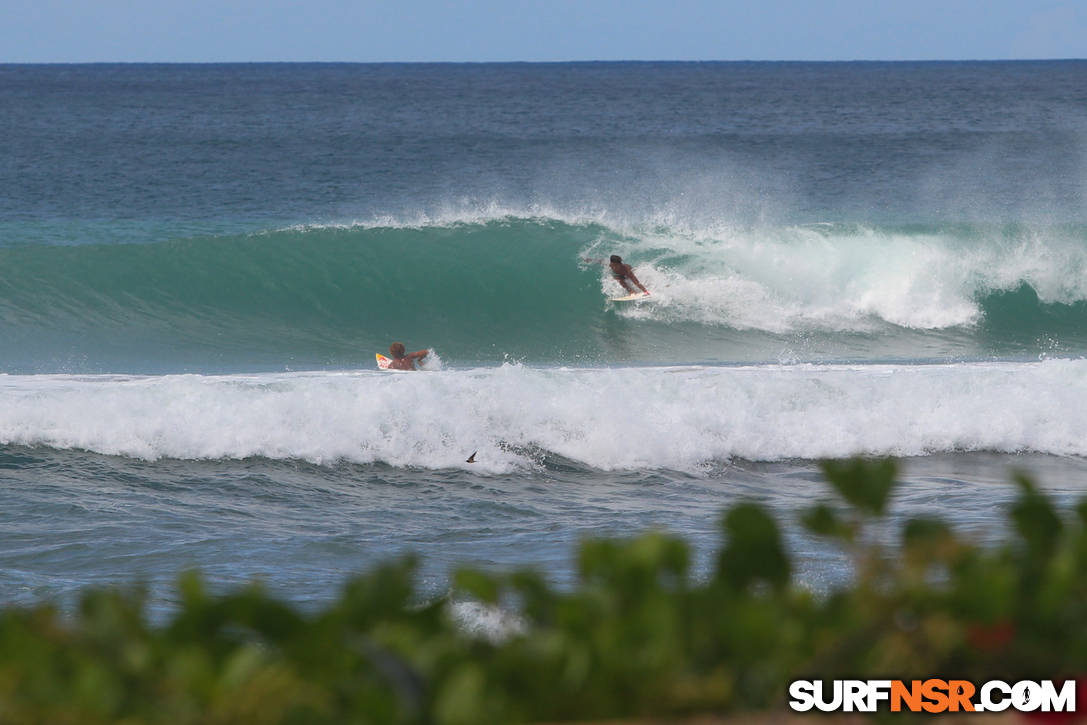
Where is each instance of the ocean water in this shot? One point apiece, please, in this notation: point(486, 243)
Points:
point(198, 263)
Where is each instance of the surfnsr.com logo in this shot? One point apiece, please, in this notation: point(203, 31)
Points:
point(932, 695)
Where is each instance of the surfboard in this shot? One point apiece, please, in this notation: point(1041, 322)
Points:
point(628, 298)
point(382, 361)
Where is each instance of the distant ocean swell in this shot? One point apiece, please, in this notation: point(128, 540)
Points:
point(516, 418)
point(514, 286)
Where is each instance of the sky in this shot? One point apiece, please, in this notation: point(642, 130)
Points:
point(65, 31)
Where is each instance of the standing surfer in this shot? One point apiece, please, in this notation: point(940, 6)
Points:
point(622, 272)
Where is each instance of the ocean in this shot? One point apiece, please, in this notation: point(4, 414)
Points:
point(198, 263)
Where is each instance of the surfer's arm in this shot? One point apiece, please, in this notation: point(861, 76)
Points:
point(631, 276)
point(418, 354)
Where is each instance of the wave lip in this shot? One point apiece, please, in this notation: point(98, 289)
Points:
point(516, 417)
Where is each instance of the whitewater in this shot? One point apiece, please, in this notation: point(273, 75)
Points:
point(879, 259)
point(687, 419)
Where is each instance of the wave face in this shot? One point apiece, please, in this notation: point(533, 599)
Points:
point(686, 418)
point(482, 290)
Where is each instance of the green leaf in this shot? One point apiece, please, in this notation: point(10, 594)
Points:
point(477, 585)
point(924, 530)
point(926, 536)
point(754, 551)
point(1035, 519)
point(863, 483)
point(822, 520)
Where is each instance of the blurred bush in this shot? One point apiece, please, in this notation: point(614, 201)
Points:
point(637, 636)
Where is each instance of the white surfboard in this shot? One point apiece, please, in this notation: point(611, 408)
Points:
point(628, 298)
point(382, 361)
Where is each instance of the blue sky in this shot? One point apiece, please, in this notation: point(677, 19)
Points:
point(509, 30)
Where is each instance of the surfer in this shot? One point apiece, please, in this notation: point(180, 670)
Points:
point(402, 360)
point(623, 272)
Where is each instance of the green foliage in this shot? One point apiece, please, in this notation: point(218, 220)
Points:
point(864, 484)
point(637, 636)
point(754, 552)
point(823, 520)
point(1035, 519)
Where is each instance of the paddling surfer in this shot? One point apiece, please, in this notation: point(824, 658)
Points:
point(402, 360)
point(622, 272)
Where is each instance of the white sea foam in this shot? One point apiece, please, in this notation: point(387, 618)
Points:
point(491, 623)
point(624, 418)
point(789, 279)
point(472, 213)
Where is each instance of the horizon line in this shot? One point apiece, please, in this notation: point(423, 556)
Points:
point(537, 62)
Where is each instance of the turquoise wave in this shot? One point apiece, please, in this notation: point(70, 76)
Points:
point(326, 295)
point(516, 288)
